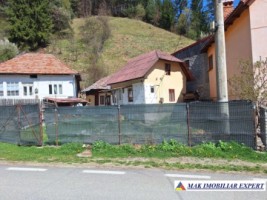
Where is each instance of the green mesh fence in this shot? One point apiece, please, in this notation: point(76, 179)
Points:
point(190, 124)
point(231, 121)
point(20, 124)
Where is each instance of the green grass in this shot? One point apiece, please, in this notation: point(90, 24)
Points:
point(65, 153)
point(128, 39)
point(146, 156)
point(171, 149)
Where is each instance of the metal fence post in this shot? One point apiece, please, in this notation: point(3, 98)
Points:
point(119, 123)
point(188, 124)
point(56, 126)
point(41, 114)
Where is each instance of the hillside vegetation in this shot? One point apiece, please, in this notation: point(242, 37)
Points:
point(125, 39)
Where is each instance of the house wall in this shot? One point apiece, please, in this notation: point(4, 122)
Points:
point(258, 23)
point(238, 48)
point(41, 83)
point(159, 80)
point(162, 83)
point(198, 65)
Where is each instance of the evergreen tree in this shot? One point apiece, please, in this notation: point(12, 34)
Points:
point(167, 15)
point(30, 22)
point(151, 11)
point(179, 6)
point(199, 20)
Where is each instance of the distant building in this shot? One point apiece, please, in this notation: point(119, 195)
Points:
point(35, 76)
point(150, 78)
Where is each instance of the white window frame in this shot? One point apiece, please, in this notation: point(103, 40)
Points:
point(12, 89)
point(29, 89)
point(1, 89)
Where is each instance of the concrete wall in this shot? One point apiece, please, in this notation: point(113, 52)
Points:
point(41, 83)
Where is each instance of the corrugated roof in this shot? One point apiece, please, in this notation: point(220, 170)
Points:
point(35, 63)
point(139, 66)
point(99, 85)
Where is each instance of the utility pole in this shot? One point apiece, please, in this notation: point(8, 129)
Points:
point(221, 71)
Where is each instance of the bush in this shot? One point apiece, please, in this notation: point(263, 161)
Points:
point(8, 50)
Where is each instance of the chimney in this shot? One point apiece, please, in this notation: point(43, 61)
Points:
point(228, 7)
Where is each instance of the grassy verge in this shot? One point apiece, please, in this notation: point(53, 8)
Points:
point(216, 157)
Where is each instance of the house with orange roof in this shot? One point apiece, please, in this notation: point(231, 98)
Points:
point(35, 76)
point(245, 38)
point(150, 78)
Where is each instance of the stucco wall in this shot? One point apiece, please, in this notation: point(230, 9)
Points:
point(238, 48)
point(42, 84)
point(162, 82)
point(258, 23)
point(159, 80)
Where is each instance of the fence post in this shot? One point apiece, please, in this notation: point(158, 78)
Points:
point(19, 122)
point(188, 124)
point(41, 114)
point(56, 125)
point(119, 123)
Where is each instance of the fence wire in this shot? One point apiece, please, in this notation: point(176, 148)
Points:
point(20, 124)
point(191, 123)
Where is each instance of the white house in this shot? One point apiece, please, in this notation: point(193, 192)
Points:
point(150, 78)
point(35, 76)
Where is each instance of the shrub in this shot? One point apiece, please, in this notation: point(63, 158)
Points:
point(8, 50)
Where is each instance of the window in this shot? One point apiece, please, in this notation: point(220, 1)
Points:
point(187, 63)
point(120, 94)
point(55, 89)
point(33, 76)
point(102, 100)
point(171, 95)
point(1, 89)
point(168, 69)
point(210, 62)
point(50, 89)
point(27, 89)
point(60, 90)
point(152, 89)
point(12, 89)
point(130, 94)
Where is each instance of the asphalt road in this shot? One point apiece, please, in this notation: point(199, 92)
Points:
point(56, 183)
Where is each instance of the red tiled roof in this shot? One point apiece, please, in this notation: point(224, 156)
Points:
point(139, 66)
point(35, 63)
point(99, 85)
point(243, 5)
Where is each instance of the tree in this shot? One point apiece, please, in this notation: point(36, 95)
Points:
point(251, 82)
point(183, 22)
point(30, 23)
point(179, 6)
point(167, 15)
point(8, 50)
point(151, 11)
point(199, 20)
point(140, 11)
point(61, 16)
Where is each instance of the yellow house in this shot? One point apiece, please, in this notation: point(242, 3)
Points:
point(150, 78)
point(245, 38)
